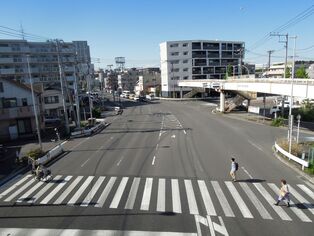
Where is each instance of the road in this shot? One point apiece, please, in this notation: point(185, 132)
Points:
point(162, 168)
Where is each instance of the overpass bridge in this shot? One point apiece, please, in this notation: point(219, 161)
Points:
point(302, 88)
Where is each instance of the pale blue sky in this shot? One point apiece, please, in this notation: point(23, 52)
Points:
point(134, 29)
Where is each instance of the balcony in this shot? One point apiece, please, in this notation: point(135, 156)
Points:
point(211, 46)
point(16, 112)
point(9, 71)
point(5, 49)
point(199, 54)
point(6, 60)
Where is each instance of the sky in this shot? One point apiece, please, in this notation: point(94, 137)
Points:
point(134, 28)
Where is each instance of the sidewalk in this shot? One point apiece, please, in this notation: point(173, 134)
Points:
point(9, 164)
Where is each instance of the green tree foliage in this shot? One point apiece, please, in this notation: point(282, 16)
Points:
point(288, 72)
point(96, 112)
point(301, 73)
point(307, 111)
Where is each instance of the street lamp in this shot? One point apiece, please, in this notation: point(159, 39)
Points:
point(298, 131)
point(34, 104)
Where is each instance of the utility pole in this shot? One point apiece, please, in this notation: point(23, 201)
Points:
point(78, 113)
point(34, 104)
point(173, 93)
point(269, 57)
point(66, 118)
point(89, 91)
point(285, 41)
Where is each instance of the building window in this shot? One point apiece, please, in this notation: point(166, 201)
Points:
point(196, 45)
point(174, 62)
point(175, 70)
point(200, 62)
point(174, 45)
point(175, 78)
point(186, 77)
point(199, 54)
point(208, 70)
point(1, 87)
point(196, 70)
point(185, 45)
point(185, 53)
point(9, 102)
point(175, 54)
point(185, 69)
point(185, 61)
point(51, 100)
point(24, 102)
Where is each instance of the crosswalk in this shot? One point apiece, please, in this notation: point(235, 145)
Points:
point(154, 194)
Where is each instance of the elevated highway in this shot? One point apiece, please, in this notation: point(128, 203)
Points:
point(302, 88)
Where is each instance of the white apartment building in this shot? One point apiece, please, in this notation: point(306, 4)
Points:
point(196, 59)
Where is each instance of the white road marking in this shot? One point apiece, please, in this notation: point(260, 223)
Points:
point(191, 197)
point(279, 210)
point(25, 186)
point(132, 194)
point(29, 192)
point(251, 177)
point(45, 189)
point(306, 190)
point(119, 162)
point(92, 192)
point(64, 142)
point(161, 197)
point(255, 145)
point(105, 193)
point(147, 194)
point(153, 162)
point(75, 232)
point(296, 210)
point(176, 201)
point(173, 136)
point(302, 200)
point(84, 140)
point(117, 197)
point(184, 131)
point(237, 198)
point(14, 186)
point(157, 146)
point(256, 202)
point(222, 199)
point(56, 190)
point(68, 190)
point(80, 191)
point(85, 162)
point(206, 198)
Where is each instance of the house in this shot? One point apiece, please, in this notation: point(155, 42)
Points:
point(17, 117)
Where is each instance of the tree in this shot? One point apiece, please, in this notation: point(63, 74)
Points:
point(229, 72)
point(288, 72)
point(301, 73)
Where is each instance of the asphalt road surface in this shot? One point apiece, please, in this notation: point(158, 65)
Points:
point(162, 168)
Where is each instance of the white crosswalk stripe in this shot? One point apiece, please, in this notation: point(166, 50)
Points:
point(56, 190)
point(195, 194)
point(20, 190)
point(237, 198)
point(132, 194)
point(147, 194)
point(282, 214)
point(45, 189)
point(4, 193)
point(92, 192)
point(191, 197)
point(80, 191)
point(256, 202)
point(25, 196)
point(222, 199)
point(105, 193)
point(306, 190)
point(117, 197)
point(301, 199)
point(297, 211)
point(161, 197)
point(68, 190)
point(206, 198)
point(176, 201)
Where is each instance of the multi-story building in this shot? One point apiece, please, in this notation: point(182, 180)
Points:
point(43, 60)
point(196, 59)
point(17, 117)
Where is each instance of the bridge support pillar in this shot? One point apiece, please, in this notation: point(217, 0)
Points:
point(222, 101)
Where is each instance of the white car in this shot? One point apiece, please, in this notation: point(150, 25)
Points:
point(274, 109)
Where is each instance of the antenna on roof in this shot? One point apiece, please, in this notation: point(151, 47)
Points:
point(22, 31)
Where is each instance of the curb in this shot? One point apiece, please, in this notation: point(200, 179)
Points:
point(283, 160)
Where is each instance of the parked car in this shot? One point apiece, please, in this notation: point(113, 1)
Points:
point(150, 97)
point(131, 96)
point(274, 109)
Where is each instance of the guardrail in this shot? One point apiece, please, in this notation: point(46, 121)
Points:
point(88, 132)
point(302, 162)
point(56, 151)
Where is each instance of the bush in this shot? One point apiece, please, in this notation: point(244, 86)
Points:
point(296, 148)
point(84, 123)
point(277, 122)
point(35, 153)
point(96, 113)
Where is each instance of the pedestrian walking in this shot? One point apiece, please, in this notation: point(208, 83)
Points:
point(284, 193)
point(234, 168)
